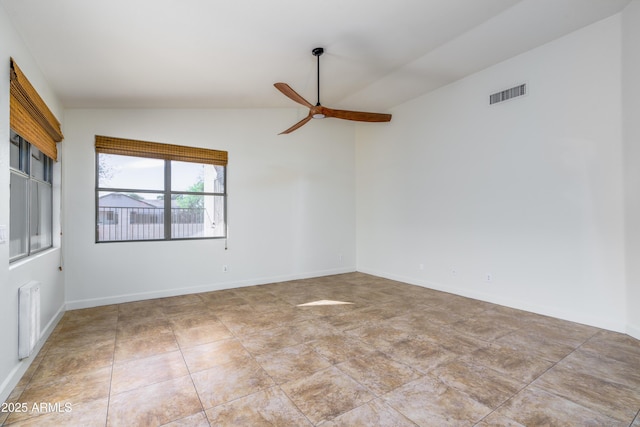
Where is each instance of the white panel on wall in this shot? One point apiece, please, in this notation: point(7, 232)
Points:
point(29, 318)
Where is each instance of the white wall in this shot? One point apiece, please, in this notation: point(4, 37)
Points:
point(631, 132)
point(529, 191)
point(291, 206)
point(43, 267)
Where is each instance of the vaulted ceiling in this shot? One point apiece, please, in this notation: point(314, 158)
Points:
point(228, 54)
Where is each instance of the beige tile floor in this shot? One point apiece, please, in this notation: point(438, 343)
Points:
point(400, 355)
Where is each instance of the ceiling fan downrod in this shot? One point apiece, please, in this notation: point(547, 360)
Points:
point(317, 52)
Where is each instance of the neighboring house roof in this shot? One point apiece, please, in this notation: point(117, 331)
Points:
point(119, 200)
point(160, 203)
point(156, 203)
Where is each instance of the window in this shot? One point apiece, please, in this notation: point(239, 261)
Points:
point(34, 134)
point(31, 200)
point(151, 191)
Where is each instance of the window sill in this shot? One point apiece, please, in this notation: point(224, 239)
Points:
point(32, 258)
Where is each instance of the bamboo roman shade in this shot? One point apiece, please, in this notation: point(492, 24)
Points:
point(30, 117)
point(155, 150)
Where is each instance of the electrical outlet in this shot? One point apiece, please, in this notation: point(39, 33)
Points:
point(340, 257)
point(225, 268)
point(488, 277)
point(454, 272)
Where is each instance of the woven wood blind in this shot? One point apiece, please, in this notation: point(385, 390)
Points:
point(155, 150)
point(30, 117)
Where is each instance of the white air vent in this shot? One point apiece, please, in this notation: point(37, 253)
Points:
point(508, 94)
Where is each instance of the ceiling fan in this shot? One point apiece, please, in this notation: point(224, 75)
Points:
point(319, 112)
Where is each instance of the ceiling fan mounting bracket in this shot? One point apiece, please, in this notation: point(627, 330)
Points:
point(317, 51)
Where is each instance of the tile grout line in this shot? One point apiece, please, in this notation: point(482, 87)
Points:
point(41, 357)
point(536, 378)
point(319, 370)
point(376, 396)
point(636, 418)
point(189, 370)
point(269, 375)
point(130, 360)
point(113, 362)
point(233, 334)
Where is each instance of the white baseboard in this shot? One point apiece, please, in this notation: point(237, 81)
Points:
point(16, 374)
point(634, 331)
point(509, 302)
point(119, 299)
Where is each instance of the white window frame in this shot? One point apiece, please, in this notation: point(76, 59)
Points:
point(24, 169)
point(102, 217)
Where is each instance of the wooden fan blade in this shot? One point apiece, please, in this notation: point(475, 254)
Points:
point(358, 116)
point(292, 94)
point(297, 125)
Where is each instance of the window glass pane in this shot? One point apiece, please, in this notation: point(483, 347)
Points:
point(46, 214)
point(37, 163)
point(31, 204)
point(197, 177)
point(19, 225)
point(215, 210)
point(128, 172)
point(187, 176)
point(48, 170)
point(130, 216)
point(40, 212)
point(194, 216)
point(14, 151)
point(219, 180)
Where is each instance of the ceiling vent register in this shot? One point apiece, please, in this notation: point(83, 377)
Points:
point(507, 94)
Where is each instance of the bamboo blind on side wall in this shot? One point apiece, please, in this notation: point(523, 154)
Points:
point(30, 117)
point(155, 150)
